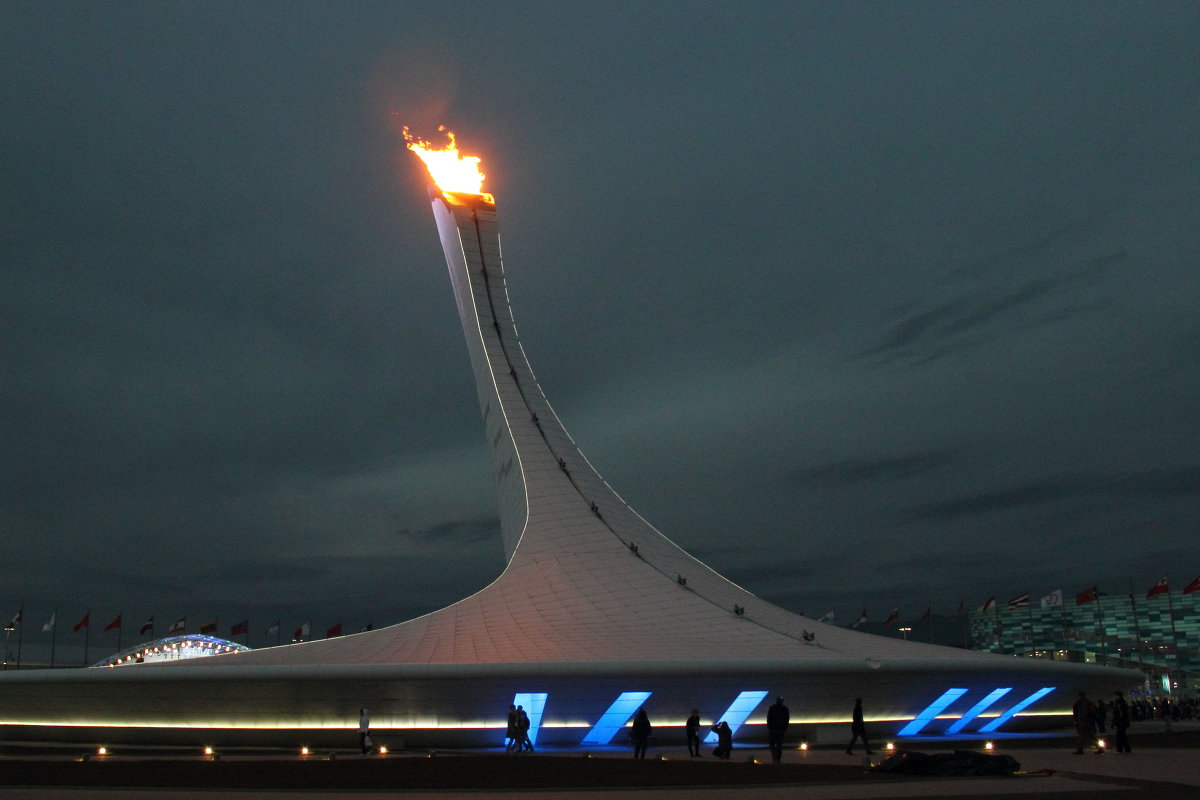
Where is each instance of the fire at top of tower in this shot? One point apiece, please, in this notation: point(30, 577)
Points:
point(450, 170)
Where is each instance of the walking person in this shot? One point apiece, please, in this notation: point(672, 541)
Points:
point(1084, 714)
point(693, 733)
point(640, 735)
point(511, 736)
point(778, 718)
point(1120, 721)
point(523, 740)
point(858, 729)
point(364, 731)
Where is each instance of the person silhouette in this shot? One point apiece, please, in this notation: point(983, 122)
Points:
point(778, 718)
point(693, 733)
point(858, 729)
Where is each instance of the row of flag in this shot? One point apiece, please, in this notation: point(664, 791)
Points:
point(179, 626)
point(1024, 600)
point(1088, 595)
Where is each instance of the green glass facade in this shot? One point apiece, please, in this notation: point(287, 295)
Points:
point(1160, 634)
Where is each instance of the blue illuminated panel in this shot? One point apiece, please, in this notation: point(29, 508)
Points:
point(977, 709)
point(534, 704)
point(615, 718)
point(737, 712)
point(1019, 707)
point(931, 712)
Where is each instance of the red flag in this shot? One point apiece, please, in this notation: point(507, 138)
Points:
point(148, 625)
point(892, 617)
point(179, 627)
point(114, 625)
point(1089, 595)
point(988, 605)
point(83, 623)
point(241, 627)
point(1194, 586)
point(1159, 588)
point(336, 630)
point(300, 633)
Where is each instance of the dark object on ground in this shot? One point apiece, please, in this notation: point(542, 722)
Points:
point(960, 763)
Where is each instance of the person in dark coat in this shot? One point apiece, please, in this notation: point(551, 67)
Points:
point(523, 740)
point(693, 733)
point(511, 734)
point(778, 718)
point(724, 740)
point(1084, 714)
point(1120, 721)
point(858, 729)
point(640, 735)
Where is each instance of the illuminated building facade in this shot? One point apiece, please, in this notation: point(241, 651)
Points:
point(173, 648)
point(1159, 635)
point(595, 615)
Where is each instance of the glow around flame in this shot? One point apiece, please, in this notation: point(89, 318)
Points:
point(450, 170)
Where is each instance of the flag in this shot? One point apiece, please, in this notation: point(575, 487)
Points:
point(114, 625)
point(274, 628)
point(336, 630)
point(16, 620)
point(179, 627)
point(861, 619)
point(241, 627)
point(892, 617)
point(1088, 595)
point(928, 612)
point(208, 627)
point(300, 633)
point(148, 625)
point(1194, 586)
point(83, 623)
point(1053, 599)
point(827, 619)
point(988, 605)
point(49, 626)
point(1159, 588)
point(1020, 601)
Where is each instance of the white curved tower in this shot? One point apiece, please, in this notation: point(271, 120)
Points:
point(595, 613)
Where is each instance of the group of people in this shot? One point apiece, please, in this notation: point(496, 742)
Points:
point(516, 738)
point(778, 719)
point(1090, 720)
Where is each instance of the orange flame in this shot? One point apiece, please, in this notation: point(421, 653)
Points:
point(451, 171)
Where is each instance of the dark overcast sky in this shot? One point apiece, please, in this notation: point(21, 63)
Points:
point(870, 304)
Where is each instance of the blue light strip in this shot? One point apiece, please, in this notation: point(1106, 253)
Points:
point(1019, 707)
point(737, 712)
point(615, 718)
point(931, 711)
point(977, 709)
point(534, 704)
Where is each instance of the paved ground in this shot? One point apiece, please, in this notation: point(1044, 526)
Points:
point(1161, 766)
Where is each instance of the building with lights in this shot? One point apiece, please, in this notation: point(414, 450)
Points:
point(1157, 634)
point(172, 648)
point(595, 614)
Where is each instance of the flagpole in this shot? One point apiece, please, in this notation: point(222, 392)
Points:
point(1032, 636)
point(1137, 630)
point(53, 635)
point(120, 625)
point(20, 633)
point(1175, 638)
point(87, 632)
point(1100, 622)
